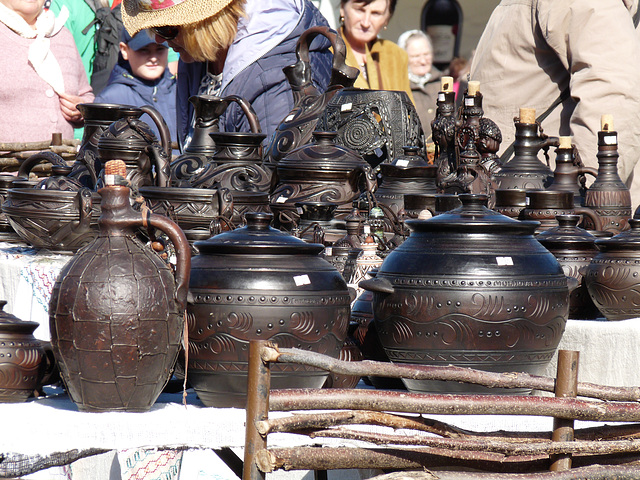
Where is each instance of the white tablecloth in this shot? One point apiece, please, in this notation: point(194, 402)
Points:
point(607, 356)
point(27, 276)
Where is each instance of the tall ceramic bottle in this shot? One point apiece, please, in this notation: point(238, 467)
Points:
point(117, 310)
point(608, 195)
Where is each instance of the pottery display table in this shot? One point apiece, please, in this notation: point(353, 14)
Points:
point(180, 441)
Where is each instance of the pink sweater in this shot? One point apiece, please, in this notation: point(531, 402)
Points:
point(30, 109)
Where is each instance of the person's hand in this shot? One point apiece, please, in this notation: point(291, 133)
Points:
point(68, 107)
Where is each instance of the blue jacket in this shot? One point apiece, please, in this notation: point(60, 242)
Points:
point(264, 45)
point(125, 89)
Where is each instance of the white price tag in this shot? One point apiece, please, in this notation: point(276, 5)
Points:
point(469, 102)
point(527, 201)
point(402, 163)
point(302, 280)
point(611, 139)
point(367, 229)
point(441, 97)
point(504, 260)
point(328, 251)
point(346, 107)
point(282, 199)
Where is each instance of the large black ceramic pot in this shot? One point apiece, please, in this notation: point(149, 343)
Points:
point(256, 282)
point(471, 288)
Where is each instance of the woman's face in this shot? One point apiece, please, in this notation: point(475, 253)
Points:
point(362, 23)
point(177, 44)
point(420, 56)
point(27, 9)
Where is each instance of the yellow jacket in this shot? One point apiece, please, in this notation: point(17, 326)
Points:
point(387, 66)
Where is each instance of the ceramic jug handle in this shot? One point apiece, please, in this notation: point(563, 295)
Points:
point(36, 158)
point(183, 252)
point(225, 203)
point(341, 73)
point(588, 170)
point(588, 212)
point(163, 128)
point(246, 107)
point(85, 206)
point(161, 164)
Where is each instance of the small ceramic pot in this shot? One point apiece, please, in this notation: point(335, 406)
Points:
point(23, 361)
point(574, 248)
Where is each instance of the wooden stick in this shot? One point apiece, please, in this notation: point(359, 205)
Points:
point(450, 373)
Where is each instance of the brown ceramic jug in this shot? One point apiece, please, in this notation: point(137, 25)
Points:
point(309, 104)
point(117, 309)
point(97, 118)
point(525, 170)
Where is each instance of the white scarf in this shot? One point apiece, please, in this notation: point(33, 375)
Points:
point(420, 80)
point(40, 56)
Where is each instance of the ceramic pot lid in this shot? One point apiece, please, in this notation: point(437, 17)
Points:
point(11, 323)
point(258, 238)
point(627, 240)
point(567, 235)
point(323, 154)
point(473, 217)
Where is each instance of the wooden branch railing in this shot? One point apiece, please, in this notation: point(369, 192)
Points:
point(424, 442)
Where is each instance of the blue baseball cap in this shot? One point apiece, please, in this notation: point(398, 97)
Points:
point(140, 39)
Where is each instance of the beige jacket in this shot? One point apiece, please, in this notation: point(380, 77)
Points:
point(531, 50)
point(387, 66)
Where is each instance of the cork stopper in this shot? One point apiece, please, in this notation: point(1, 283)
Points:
point(527, 115)
point(474, 87)
point(606, 123)
point(565, 142)
point(115, 167)
point(446, 84)
point(115, 172)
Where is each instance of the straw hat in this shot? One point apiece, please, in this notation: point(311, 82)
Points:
point(140, 14)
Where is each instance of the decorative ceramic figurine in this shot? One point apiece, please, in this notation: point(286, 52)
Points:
point(117, 310)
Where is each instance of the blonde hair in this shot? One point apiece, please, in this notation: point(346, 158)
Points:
point(205, 40)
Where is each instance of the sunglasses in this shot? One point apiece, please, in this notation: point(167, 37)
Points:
point(168, 32)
